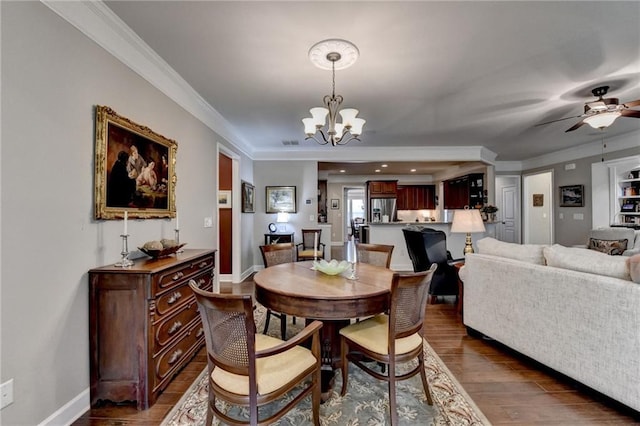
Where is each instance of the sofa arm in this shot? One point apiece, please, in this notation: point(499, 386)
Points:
point(631, 252)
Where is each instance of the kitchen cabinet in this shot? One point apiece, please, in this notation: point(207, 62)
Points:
point(416, 197)
point(382, 188)
point(464, 191)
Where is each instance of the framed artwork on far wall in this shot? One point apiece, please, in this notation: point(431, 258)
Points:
point(335, 204)
point(281, 199)
point(572, 196)
point(134, 169)
point(248, 197)
point(224, 199)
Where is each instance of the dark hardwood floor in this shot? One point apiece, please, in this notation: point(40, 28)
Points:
point(507, 387)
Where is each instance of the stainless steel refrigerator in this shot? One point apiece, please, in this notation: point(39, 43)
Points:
point(383, 210)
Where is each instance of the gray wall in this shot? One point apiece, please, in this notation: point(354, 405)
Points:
point(301, 174)
point(569, 231)
point(52, 77)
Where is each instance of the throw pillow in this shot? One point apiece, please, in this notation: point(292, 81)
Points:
point(590, 261)
point(611, 247)
point(634, 268)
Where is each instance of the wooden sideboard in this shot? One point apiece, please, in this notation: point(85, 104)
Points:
point(144, 324)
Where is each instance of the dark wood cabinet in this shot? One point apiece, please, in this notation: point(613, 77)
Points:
point(277, 238)
point(464, 191)
point(382, 188)
point(416, 197)
point(144, 324)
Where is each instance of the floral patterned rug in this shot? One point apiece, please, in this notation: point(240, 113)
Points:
point(365, 403)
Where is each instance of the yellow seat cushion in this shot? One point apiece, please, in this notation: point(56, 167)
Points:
point(273, 372)
point(309, 253)
point(373, 334)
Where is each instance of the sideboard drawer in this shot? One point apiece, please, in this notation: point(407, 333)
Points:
point(168, 301)
point(168, 328)
point(171, 278)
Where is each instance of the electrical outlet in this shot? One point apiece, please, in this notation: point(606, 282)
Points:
point(6, 393)
point(208, 222)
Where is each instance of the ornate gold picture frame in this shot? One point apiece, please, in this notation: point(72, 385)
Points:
point(134, 169)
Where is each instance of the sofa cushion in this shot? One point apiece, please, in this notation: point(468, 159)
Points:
point(585, 260)
point(530, 253)
point(634, 268)
point(610, 247)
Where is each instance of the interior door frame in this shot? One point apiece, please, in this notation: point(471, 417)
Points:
point(236, 228)
point(517, 179)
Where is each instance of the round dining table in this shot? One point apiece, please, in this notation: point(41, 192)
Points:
point(298, 290)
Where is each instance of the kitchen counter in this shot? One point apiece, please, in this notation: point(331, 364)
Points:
point(391, 233)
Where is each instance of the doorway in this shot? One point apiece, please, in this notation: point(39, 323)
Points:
point(354, 201)
point(508, 192)
point(538, 218)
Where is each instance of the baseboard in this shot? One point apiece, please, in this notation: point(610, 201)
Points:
point(70, 412)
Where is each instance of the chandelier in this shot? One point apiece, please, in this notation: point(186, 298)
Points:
point(333, 54)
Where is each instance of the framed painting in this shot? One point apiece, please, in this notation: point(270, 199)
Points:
point(224, 199)
point(248, 197)
point(572, 196)
point(538, 200)
point(134, 169)
point(281, 199)
point(335, 204)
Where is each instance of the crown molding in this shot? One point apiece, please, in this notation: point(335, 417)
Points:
point(96, 21)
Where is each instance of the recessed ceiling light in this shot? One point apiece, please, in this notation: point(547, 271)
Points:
point(413, 170)
point(377, 170)
point(342, 171)
point(384, 165)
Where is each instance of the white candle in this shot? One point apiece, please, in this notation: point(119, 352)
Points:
point(126, 215)
point(177, 223)
point(315, 245)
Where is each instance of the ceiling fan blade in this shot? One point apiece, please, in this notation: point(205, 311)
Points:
point(630, 113)
point(632, 103)
point(575, 126)
point(555, 121)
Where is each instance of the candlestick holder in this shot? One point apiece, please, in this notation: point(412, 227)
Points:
point(177, 238)
point(125, 262)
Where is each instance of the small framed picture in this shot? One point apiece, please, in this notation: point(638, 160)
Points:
point(335, 204)
point(538, 200)
point(248, 191)
point(572, 196)
point(224, 199)
point(281, 199)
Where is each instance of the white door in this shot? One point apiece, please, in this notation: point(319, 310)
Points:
point(508, 203)
point(538, 220)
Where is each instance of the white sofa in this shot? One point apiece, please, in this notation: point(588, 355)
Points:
point(631, 236)
point(585, 325)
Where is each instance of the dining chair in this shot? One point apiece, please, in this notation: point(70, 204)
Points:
point(251, 369)
point(389, 339)
point(305, 249)
point(275, 254)
point(375, 254)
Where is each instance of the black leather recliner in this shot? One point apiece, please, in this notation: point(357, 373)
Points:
point(427, 246)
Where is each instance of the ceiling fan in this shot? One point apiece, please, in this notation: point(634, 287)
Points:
point(602, 112)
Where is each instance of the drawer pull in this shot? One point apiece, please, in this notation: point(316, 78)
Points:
point(178, 275)
point(200, 332)
point(175, 356)
point(203, 264)
point(175, 327)
point(175, 297)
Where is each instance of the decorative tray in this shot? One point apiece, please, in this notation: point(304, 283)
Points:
point(330, 268)
point(161, 252)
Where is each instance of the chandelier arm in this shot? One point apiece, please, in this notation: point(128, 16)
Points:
point(324, 140)
point(341, 141)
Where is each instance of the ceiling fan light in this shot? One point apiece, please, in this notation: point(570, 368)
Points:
point(348, 115)
point(309, 126)
point(319, 115)
point(602, 120)
point(356, 126)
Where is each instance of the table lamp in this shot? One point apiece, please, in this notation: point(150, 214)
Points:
point(282, 220)
point(467, 221)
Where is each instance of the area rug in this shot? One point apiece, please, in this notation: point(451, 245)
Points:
point(365, 403)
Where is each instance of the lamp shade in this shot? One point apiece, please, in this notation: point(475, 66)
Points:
point(603, 119)
point(282, 217)
point(467, 221)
